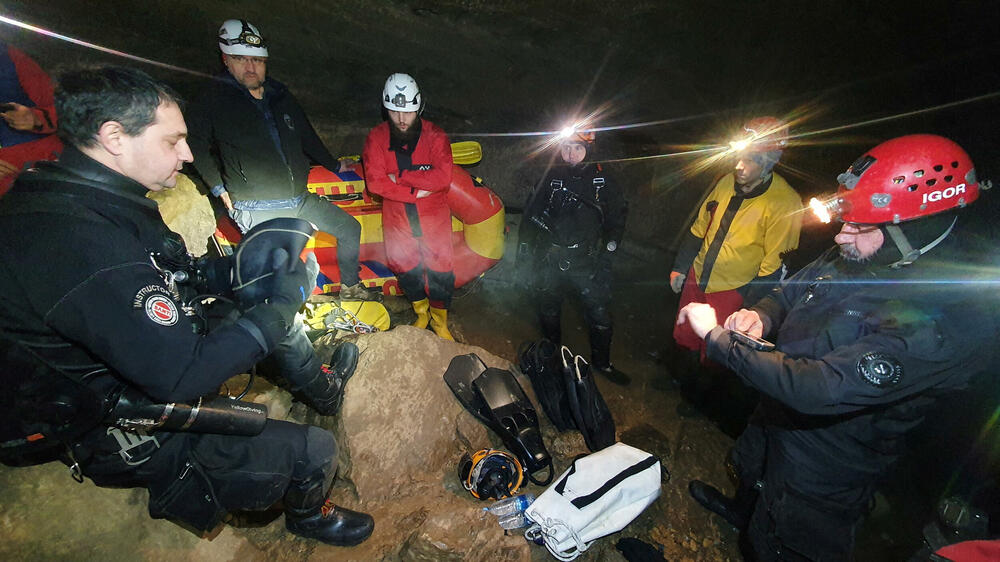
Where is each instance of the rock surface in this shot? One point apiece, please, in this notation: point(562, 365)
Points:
point(188, 211)
point(401, 433)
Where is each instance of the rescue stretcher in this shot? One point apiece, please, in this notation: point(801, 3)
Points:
point(477, 225)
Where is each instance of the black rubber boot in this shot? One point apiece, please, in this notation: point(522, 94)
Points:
point(325, 393)
point(309, 514)
point(736, 510)
point(600, 356)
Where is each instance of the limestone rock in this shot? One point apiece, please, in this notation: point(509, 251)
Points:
point(187, 211)
point(402, 433)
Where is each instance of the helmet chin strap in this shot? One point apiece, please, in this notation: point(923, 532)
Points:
point(909, 254)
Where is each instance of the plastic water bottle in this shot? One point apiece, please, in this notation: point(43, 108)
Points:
point(510, 506)
point(514, 521)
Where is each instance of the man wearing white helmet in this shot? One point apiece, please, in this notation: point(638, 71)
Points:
point(254, 145)
point(408, 163)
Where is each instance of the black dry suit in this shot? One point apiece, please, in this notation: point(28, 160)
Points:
point(88, 311)
point(863, 351)
point(572, 225)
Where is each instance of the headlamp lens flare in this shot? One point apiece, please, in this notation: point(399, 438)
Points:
point(567, 132)
point(825, 211)
point(739, 145)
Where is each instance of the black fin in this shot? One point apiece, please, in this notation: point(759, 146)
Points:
point(513, 417)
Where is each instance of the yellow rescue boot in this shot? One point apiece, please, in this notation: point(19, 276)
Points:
point(421, 307)
point(439, 323)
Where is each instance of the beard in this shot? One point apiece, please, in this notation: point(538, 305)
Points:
point(251, 82)
point(409, 135)
point(850, 252)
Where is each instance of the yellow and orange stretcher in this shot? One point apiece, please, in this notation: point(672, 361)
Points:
point(477, 225)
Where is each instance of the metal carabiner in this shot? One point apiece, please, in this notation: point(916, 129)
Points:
point(74, 469)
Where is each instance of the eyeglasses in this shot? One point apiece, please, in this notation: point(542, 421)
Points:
point(243, 59)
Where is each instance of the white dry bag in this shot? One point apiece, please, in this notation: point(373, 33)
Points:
point(599, 495)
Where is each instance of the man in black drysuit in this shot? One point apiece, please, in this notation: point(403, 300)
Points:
point(868, 337)
point(572, 226)
point(89, 311)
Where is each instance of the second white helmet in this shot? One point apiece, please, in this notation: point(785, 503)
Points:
point(240, 37)
point(401, 93)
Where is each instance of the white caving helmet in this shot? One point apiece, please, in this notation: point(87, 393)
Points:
point(240, 37)
point(401, 93)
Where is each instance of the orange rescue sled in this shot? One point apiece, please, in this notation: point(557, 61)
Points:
point(477, 228)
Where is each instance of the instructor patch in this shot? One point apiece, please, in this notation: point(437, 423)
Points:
point(157, 304)
point(879, 369)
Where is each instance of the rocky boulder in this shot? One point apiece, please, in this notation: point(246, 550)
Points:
point(188, 211)
point(402, 433)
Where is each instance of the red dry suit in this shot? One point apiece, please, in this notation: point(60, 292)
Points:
point(24, 82)
point(417, 230)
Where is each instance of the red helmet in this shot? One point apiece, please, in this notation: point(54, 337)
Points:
point(585, 137)
point(765, 134)
point(906, 178)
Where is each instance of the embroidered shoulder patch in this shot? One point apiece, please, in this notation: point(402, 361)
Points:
point(880, 370)
point(155, 301)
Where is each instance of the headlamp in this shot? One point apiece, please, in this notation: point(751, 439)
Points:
point(246, 37)
point(739, 145)
point(828, 210)
point(399, 100)
point(764, 134)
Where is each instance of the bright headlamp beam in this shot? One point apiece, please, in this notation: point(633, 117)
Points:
point(43, 31)
point(739, 145)
point(820, 210)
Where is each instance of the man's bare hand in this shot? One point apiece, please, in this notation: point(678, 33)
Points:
point(747, 321)
point(227, 201)
point(6, 169)
point(21, 118)
point(700, 316)
point(346, 164)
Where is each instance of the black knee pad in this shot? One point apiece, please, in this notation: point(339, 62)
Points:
point(412, 284)
point(440, 286)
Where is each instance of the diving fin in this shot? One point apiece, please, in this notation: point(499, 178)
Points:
point(462, 370)
point(513, 417)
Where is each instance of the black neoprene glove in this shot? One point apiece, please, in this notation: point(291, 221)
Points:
point(293, 282)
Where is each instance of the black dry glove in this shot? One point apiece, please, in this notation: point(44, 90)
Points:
point(252, 271)
point(293, 282)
